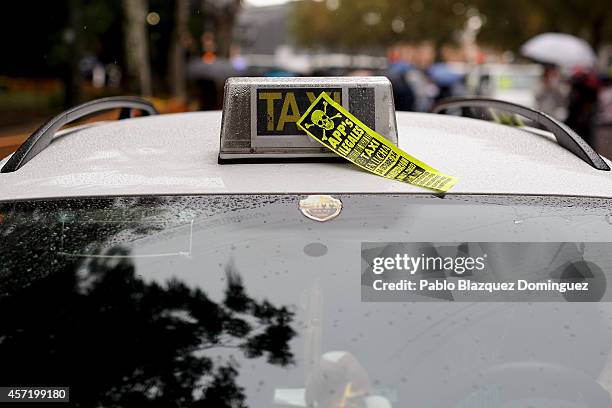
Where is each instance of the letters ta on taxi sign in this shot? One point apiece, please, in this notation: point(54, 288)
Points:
point(320, 207)
point(278, 110)
point(260, 115)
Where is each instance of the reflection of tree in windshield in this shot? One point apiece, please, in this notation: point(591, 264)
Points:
point(117, 340)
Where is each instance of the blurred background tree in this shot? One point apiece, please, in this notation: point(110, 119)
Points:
point(148, 41)
point(367, 24)
point(179, 45)
point(507, 24)
point(137, 44)
point(179, 52)
point(222, 15)
point(50, 39)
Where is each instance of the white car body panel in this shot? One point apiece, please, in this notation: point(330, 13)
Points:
point(177, 154)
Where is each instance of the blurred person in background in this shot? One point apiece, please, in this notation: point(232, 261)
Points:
point(603, 132)
point(403, 94)
point(605, 101)
point(551, 95)
point(582, 104)
point(449, 82)
point(425, 90)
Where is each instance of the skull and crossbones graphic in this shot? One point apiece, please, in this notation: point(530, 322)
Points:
point(321, 119)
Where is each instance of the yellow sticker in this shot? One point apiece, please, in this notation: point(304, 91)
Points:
point(334, 127)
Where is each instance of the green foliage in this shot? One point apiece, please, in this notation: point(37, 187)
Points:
point(507, 23)
point(359, 24)
point(38, 37)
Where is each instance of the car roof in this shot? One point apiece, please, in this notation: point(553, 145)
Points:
point(177, 154)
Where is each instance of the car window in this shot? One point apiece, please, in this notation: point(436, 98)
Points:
point(242, 301)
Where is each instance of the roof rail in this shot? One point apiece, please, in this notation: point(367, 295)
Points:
point(42, 137)
point(565, 136)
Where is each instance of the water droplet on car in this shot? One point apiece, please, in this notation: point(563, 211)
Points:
point(315, 249)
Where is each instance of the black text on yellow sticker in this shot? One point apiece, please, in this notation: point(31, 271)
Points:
point(333, 126)
point(279, 109)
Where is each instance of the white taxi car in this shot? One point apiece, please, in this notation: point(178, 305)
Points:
point(217, 258)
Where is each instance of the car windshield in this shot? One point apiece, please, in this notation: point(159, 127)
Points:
point(242, 301)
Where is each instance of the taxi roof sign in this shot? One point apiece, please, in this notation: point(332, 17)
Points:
point(260, 114)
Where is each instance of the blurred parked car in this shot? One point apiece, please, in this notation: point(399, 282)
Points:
point(508, 82)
